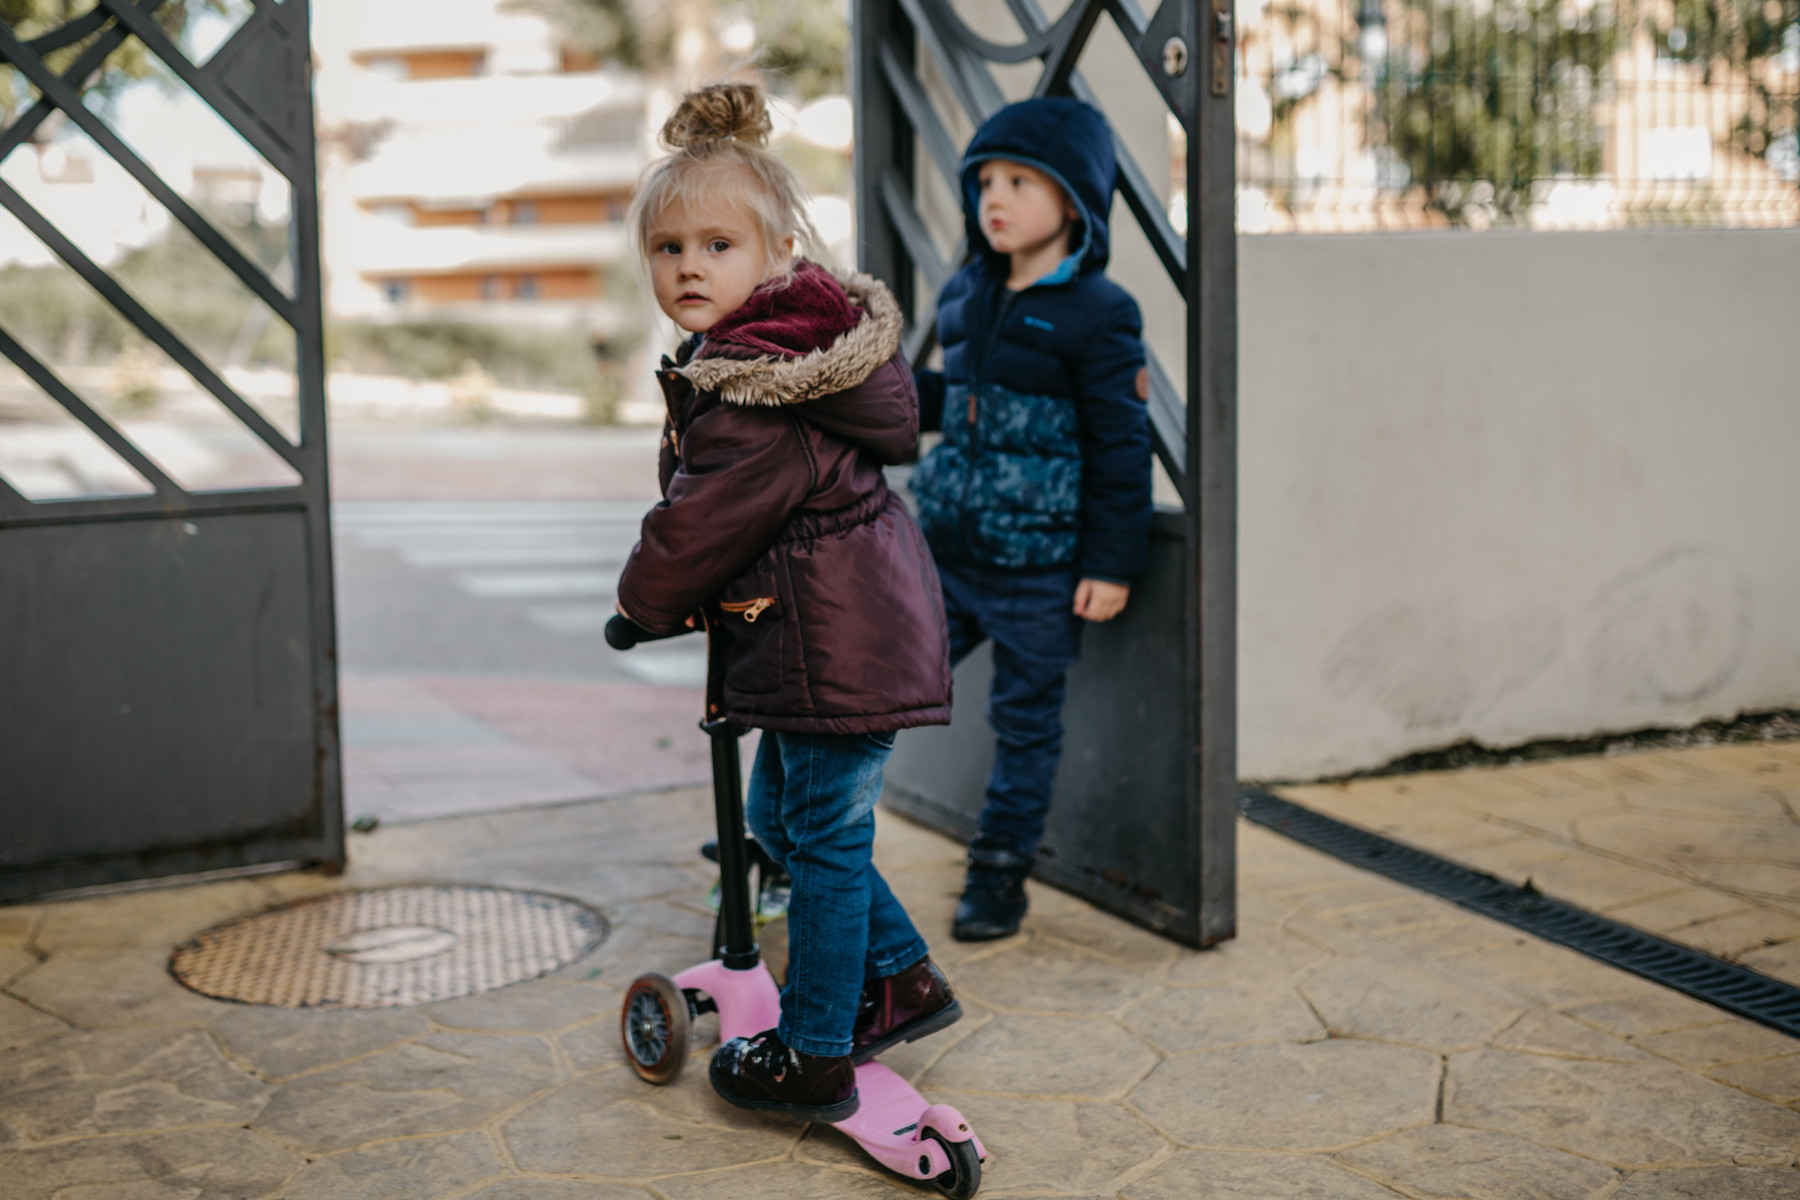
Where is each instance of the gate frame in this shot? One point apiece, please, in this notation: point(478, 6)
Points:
point(1188, 51)
point(259, 82)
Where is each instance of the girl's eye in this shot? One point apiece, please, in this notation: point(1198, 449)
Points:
point(669, 248)
point(719, 246)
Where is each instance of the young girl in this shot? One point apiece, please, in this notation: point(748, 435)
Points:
point(779, 536)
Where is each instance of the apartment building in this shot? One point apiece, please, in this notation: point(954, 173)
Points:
point(473, 166)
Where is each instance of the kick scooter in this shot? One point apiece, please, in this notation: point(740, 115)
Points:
point(927, 1142)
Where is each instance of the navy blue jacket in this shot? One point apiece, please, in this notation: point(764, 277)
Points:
point(1046, 454)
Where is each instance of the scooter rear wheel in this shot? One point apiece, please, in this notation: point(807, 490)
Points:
point(654, 1024)
point(963, 1179)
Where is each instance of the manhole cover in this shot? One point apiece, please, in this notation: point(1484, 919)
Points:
point(388, 948)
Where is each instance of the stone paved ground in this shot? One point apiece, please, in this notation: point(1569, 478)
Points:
point(1701, 846)
point(1356, 1041)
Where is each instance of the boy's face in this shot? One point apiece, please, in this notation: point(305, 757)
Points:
point(1022, 210)
point(704, 262)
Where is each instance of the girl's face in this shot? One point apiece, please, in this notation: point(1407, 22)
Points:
point(705, 261)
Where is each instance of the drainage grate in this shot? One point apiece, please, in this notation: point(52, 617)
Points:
point(388, 948)
point(1727, 985)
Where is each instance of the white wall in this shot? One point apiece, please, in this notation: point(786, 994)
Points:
point(1513, 486)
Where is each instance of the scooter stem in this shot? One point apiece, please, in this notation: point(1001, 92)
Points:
point(740, 951)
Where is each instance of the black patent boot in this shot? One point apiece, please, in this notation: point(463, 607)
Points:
point(763, 1074)
point(902, 1008)
point(993, 900)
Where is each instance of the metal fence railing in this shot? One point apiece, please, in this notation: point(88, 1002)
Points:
point(1546, 114)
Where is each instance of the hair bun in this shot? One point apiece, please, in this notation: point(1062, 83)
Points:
point(723, 112)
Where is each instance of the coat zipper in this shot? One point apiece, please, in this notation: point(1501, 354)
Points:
point(751, 609)
point(987, 352)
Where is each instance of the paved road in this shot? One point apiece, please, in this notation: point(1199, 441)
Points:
point(513, 588)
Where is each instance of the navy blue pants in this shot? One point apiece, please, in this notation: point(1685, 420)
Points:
point(1030, 618)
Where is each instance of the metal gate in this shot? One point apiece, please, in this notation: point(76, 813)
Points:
point(168, 680)
point(1146, 805)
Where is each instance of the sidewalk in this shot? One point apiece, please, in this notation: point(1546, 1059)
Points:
point(1357, 1040)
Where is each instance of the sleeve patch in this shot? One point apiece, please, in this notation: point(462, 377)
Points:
point(1143, 383)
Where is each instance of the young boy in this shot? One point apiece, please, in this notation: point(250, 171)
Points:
point(1036, 504)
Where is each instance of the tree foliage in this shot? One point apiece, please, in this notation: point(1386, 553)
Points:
point(804, 44)
point(801, 45)
point(30, 19)
point(1481, 102)
point(615, 31)
point(1500, 98)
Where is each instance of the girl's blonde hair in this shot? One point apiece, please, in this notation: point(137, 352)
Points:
point(719, 138)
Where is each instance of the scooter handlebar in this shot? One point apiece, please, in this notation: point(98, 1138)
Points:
point(622, 633)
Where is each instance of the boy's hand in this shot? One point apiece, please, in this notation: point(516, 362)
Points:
point(1100, 600)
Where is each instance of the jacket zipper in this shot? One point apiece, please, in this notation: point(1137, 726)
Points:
point(987, 352)
point(751, 609)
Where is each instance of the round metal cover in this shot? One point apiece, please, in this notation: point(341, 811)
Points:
point(388, 948)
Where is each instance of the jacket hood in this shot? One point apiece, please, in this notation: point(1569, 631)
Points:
point(1067, 140)
point(806, 311)
point(838, 382)
point(787, 376)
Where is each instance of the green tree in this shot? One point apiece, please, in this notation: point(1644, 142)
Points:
point(615, 31)
point(1733, 43)
point(1498, 99)
point(803, 44)
point(1481, 102)
point(30, 19)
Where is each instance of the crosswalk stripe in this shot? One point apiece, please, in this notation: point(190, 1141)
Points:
point(567, 555)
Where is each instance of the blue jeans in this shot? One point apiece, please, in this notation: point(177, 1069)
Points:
point(812, 806)
point(1030, 618)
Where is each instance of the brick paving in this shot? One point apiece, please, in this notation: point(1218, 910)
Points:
point(1357, 1040)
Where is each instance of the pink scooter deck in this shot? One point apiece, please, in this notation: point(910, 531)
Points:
point(891, 1121)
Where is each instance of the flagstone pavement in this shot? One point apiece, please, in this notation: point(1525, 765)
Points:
point(1356, 1040)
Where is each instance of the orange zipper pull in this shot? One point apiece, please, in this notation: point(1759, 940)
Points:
point(751, 609)
point(971, 408)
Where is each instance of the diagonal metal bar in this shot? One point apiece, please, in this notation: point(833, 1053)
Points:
point(975, 88)
point(65, 98)
point(920, 114)
point(1071, 33)
point(147, 324)
point(222, 101)
point(1141, 198)
point(78, 408)
point(84, 66)
point(1140, 195)
point(71, 32)
point(913, 234)
point(1130, 18)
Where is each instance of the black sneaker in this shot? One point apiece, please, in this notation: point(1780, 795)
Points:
point(763, 1074)
point(993, 900)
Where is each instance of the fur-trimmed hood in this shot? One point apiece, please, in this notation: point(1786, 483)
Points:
point(776, 373)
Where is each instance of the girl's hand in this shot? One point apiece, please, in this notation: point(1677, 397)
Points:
point(1100, 600)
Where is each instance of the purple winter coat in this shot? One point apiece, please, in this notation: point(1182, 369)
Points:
point(777, 529)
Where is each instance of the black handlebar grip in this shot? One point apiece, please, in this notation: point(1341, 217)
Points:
point(622, 633)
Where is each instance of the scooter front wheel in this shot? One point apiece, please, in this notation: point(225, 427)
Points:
point(655, 1025)
point(963, 1179)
